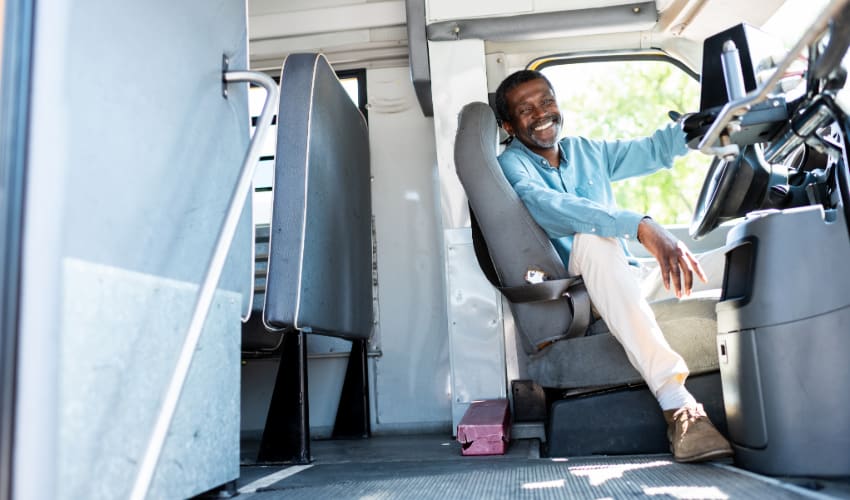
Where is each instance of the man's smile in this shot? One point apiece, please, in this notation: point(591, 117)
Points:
point(546, 123)
point(544, 126)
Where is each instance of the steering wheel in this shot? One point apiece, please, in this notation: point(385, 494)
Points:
point(714, 187)
point(730, 190)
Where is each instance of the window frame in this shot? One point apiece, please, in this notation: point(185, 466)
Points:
point(360, 75)
point(639, 56)
point(541, 63)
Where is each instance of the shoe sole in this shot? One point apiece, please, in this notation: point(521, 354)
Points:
point(704, 457)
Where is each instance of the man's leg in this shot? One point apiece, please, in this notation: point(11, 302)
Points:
point(615, 290)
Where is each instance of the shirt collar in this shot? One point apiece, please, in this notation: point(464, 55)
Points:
point(517, 144)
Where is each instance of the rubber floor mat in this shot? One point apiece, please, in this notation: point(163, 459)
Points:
point(481, 478)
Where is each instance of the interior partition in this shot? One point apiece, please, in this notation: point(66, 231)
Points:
point(134, 151)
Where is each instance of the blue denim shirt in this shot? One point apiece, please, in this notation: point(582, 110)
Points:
point(576, 197)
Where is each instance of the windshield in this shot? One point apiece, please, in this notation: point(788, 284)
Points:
point(621, 99)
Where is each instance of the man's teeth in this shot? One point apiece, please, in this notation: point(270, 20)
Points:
point(544, 126)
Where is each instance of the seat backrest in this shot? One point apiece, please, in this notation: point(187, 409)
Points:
point(516, 244)
point(320, 248)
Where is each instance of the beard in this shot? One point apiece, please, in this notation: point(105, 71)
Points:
point(545, 137)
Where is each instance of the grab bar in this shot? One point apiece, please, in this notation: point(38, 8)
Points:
point(210, 281)
point(735, 108)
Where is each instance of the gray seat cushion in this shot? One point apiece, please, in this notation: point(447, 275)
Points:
point(320, 249)
point(689, 326)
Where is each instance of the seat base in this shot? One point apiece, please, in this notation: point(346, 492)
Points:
point(623, 421)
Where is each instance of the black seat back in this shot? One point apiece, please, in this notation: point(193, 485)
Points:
point(320, 248)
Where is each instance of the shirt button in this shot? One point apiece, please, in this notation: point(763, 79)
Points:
point(626, 236)
point(593, 230)
point(590, 182)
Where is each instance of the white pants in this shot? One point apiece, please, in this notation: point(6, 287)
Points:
point(615, 288)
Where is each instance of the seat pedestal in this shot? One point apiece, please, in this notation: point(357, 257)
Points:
point(623, 421)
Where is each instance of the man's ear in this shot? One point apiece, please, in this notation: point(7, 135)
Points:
point(508, 128)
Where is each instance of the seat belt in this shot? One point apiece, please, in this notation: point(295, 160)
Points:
point(572, 288)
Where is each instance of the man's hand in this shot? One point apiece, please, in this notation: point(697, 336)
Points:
point(677, 263)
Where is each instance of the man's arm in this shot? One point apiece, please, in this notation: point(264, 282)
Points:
point(641, 157)
point(645, 155)
point(676, 261)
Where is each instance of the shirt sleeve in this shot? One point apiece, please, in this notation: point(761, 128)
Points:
point(644, 156)
point(564, 214)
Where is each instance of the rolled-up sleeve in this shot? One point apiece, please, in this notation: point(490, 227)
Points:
point(562, 213)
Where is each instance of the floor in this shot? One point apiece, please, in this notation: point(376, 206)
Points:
point(432, 467)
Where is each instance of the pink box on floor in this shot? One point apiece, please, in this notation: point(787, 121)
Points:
point(485, 428)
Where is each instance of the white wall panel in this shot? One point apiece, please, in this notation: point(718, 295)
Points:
point(409, 387)
point(555, 5)
point(345, 18)
point(458, 77)
point(441, 10)
point(272, 6)
point(133, 154)
point(475, 328)
point(279, 47)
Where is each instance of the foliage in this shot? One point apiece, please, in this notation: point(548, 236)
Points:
point(625, 99)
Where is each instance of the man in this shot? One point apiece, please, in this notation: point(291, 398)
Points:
point(566, 186)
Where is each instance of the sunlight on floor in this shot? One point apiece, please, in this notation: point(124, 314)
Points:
point(558, 483)
point(684, 492)
point(599, 474)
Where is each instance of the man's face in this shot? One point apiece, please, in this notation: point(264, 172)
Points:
point(535, 116)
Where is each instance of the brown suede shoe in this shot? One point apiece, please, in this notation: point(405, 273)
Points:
point(693, 437)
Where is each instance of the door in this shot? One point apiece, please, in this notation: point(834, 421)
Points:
point(133, 151)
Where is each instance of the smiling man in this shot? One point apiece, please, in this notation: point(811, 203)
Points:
point(566, 185)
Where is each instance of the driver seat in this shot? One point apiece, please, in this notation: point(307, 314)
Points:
point(559, 346)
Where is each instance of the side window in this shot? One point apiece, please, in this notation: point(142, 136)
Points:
point(354, 83)
point(630, 98)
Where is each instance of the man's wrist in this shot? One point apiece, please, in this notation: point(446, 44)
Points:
point(646, 219)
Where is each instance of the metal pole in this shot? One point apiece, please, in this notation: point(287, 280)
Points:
point(209, 283)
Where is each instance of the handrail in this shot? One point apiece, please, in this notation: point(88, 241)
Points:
point(210, 281)
point(732, 109)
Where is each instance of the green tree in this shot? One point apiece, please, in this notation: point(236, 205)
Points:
point(626, 99)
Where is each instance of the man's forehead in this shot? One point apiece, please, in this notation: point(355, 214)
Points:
point(530, 89)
